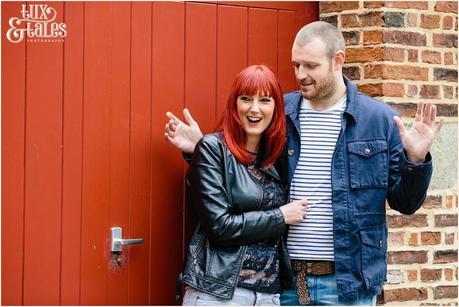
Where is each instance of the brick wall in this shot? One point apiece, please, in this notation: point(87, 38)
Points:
point(404, 52)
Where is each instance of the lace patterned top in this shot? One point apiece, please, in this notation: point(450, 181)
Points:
point(260, 265)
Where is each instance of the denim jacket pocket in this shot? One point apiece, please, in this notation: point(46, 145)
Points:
point(374, 247)
point(368, 164)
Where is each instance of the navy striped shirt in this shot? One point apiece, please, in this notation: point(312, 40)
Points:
point(313, 238)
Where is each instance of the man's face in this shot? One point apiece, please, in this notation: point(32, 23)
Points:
point(313, 70)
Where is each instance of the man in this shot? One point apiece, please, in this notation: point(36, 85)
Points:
point(355, 153)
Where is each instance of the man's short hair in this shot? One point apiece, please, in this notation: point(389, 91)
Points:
point(327, 33)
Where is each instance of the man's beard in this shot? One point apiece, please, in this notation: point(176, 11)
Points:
point(323, 89)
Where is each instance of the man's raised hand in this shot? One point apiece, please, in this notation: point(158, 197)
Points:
point(418, 139)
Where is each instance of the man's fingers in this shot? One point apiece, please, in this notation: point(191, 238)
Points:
point(189, 119)
point(419, 111)
point(433, 115)
point(427, 113)
point(173, 117)
point(438, 125)
point(401, 127)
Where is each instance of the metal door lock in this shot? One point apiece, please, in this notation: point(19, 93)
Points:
point(118, 241)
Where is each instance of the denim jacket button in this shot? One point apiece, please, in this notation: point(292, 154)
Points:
point(290, 152)
point(409, 169)
point(367, 151)
point(381, 243)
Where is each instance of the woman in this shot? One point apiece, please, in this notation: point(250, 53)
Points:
point(236, 255)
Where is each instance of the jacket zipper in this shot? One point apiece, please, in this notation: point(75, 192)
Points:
point(198, 249)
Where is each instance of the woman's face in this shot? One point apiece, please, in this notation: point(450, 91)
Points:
point(255, 114)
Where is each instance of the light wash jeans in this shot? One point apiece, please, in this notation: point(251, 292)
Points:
point(242, 297)
point(323, 291)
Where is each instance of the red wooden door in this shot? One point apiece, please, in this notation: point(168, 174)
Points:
point(82, 138)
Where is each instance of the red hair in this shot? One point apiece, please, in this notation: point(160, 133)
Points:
point(255, 80)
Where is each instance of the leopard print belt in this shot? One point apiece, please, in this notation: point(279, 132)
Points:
point(313, 268)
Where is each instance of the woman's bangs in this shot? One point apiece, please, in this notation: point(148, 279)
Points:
point(256, 84)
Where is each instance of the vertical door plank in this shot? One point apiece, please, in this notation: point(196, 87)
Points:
point(72, 154)
point(286, 35)
point(231, 50)
point(120, 48)
point(262, 38)
point(13, 147)
point(96, 153)
point(200, 63)
point(43, 194)
point(140, 152)
point(166, 236)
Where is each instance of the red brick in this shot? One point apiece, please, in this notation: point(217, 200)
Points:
point(396, 238)
point(430, 91)
point(445, 292)
point(372, 90)
point(331, 20)
point(413, 239)
point(405, 294)
point(446, 6)
point(448, 58)
point(409, 109)
point(393, 90)
point(351, 37)
point(363, 20)
point(412, 275)
point(444, 40)
point(412, 19)
point(445, 256)
point(445, 220)
point(449, 274)
point(407, 257)
point(373, 4)
point(412, 55)
point(415, 220)
point(403, 72)
point(430, 275)
point(337, 6)
point(433, 57)
point(412, 91)
point(350, 20)
point(448, 22)
point(366, 54)
point(430, 238)
point(451, 201)
point(394, 54)
point(449, 238)
point(372, 19)
point(352, 72)
point(419, 5)
point(443, 74)
point(432, 201)
point(372, 37)
point(404, 38)
point(430, 21)
point(448, 93)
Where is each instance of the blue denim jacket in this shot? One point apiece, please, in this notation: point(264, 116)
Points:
point(369, 166)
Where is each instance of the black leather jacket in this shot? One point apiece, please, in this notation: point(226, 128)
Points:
point(226, 198)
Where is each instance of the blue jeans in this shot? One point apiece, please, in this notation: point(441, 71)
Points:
point(323, 291)
point(241, 297)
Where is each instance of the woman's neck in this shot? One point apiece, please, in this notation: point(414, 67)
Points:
point(252, 144)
